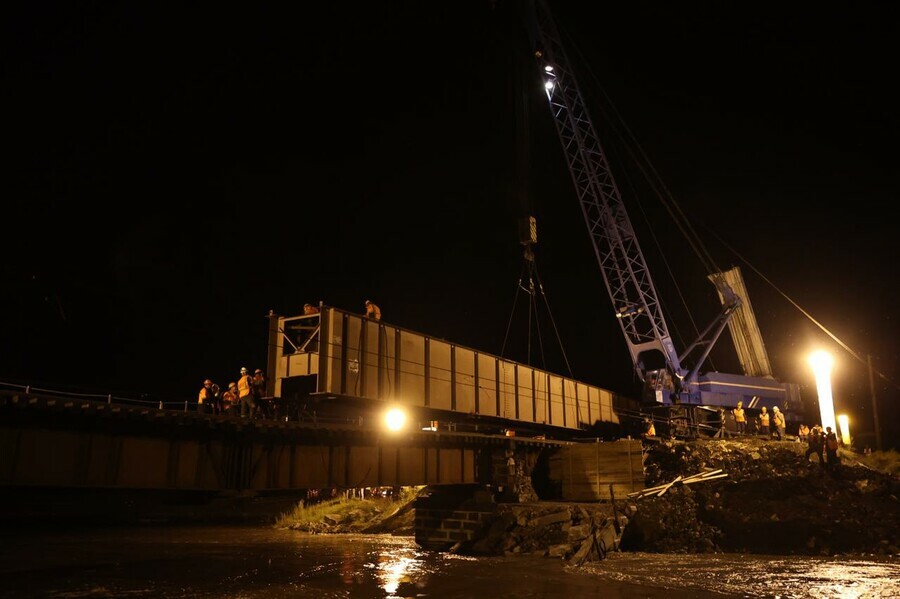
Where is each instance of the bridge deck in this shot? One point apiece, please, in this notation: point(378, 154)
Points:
point(46, 441)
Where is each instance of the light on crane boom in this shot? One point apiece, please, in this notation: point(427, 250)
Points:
point(549, 83)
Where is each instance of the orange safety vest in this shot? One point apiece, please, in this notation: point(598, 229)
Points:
point(373, 311)
point(204, 394)
point(244, 386)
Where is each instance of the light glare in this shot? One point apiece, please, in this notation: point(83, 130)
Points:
point(844, 424)
point(394, 419)
point(821, 363)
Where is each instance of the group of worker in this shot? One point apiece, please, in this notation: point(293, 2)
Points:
point(818, 441)
point(307, 340)
point(372, 310)
point(245, 397)
point(765, 424)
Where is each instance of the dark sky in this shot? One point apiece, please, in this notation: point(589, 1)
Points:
point(174, 172)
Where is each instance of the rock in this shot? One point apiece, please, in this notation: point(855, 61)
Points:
point(333, 519)
point(563, 515)
point(583, 551)
point(579, 532)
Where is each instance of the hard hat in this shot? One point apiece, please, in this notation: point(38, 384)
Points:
point(257, 371)
point(368, 302)
point(243, 370)
point(230, 385)
point(207, 382)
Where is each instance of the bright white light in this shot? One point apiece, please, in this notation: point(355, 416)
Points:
point(548, 85)
point(844, 424)
point(548, 69)
point(821, 363)
point(394, 419)
point(821, 360)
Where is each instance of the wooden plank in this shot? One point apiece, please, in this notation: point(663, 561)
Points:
point(694, 478)
point(668, 486)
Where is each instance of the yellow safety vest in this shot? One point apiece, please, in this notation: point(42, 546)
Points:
point(244, 386)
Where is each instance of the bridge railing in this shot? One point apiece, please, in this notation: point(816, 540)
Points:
point(108, 398)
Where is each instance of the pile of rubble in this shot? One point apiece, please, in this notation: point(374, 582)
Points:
point(772, 501)
point(575, 532)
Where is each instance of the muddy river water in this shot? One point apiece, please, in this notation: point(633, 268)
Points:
point(258, 561)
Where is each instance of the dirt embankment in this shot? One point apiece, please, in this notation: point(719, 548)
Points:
point(772, 501)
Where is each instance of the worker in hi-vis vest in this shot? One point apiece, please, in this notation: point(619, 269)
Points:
point(372, 310)
point(245, 394)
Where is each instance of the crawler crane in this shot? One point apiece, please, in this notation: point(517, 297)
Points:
point(685, 395)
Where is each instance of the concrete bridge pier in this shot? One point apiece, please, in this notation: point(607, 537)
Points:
point(587, 473)
point(447, 515)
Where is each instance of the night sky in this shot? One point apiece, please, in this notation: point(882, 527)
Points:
point(174, 172)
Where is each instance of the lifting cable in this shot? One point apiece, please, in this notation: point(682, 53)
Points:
point(522, 70)
point(530, 267)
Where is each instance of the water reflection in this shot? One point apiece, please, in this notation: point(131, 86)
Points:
point(246, 563)
point(394, 567)
point(757, 576)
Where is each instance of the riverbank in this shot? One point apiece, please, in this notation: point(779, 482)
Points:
point(347, 514)
point(765, 498)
